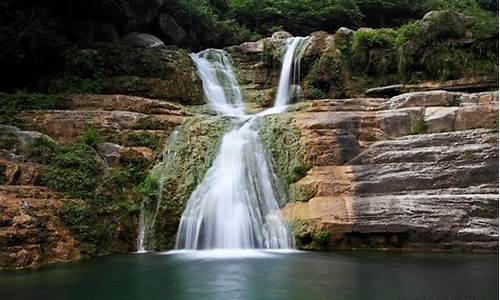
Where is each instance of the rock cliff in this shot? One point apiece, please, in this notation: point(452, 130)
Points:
point(372, 156)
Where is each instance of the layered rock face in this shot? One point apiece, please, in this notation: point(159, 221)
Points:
point(372, 185)
point(39, 225)
point(30, 233)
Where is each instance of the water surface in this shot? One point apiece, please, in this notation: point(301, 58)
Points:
point(262, 275)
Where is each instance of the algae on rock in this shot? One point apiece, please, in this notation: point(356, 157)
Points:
point(188, 155)
point(288, 153)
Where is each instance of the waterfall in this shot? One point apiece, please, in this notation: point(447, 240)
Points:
point(289, 83)
point(236, 204)
point(142, 231)
point(220, 86)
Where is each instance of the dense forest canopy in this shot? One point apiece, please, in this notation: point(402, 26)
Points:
point(35, 34)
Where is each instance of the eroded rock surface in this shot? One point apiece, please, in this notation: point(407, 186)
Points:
point(31, 233)
point(373, 185)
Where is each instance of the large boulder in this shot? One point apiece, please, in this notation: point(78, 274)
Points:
point(146, 71)
point(143, 40)
point(170, 28)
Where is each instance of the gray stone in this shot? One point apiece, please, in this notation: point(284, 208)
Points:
point(110, 153)
point(143, 40)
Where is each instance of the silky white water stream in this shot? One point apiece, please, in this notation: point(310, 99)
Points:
point(236, 206)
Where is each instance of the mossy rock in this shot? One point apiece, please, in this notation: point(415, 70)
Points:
point(309, 236)
point(189, 154)
point(105, 218)
point(167, 74)
point(287, 150)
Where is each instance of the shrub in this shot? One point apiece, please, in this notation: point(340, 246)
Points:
point(150, 123)
point(12, 104)
point(41, 150)
point(134, 139)
point(149, 188)
point(8, 139)
point(309, 236)
point(90, 137)
point(420, 127)
point(74, 171)
point(79, 218)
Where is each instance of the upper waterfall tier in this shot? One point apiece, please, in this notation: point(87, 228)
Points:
point(289, 85)
point(220, 86)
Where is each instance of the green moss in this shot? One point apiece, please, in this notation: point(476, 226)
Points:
point(309, 236)
point(142, 139)
point(41, 150)
point(149, 188)
point(282, 140)
point(301, 193)
point(12, 104)
point(136, 165)
point(74, 171)
point(190, 152)
point(8, 139)
point(150, 123)
point(104, 220)
point(325, 79)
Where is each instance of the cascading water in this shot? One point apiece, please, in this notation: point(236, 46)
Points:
point(236, 204)
point(289, 83)
point(219, 83)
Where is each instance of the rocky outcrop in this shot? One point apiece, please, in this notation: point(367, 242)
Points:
point(143, 40)
point(110, 114)
point(143, 70)
point(39, 226)
point(31, 234)
point(467, 84)
point(380, 62)
point(372, 185)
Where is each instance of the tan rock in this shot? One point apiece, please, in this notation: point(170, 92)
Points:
point(26, 211)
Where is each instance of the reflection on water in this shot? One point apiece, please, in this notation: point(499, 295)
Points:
point(261, 275)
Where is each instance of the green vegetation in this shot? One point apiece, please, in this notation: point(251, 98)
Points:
point(142, 139)
point(150, 123)
point(420, 126)
point(309, 236)
point(41, 150)
point(104, 219)
point(283, 141)
point(74, 171)
point(12, 104)
point(301, 193)
point(8, 139)
point(191, 150)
